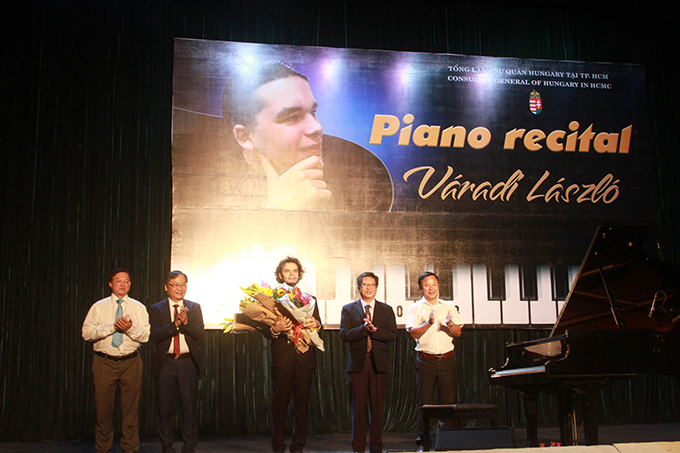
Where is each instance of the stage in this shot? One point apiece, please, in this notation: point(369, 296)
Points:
point(625, 438)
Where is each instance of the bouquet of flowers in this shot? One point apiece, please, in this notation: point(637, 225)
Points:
point(237, 324)
point(263, 304)
point(301, 307)
point(293, 295)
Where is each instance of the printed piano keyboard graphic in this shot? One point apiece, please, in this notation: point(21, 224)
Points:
point(485, 295)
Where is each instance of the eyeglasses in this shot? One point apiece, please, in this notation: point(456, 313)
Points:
point(369, 285)
point(177, 285)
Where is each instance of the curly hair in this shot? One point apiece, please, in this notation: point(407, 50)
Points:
point(283, 262)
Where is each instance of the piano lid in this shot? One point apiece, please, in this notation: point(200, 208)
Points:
point(619, 286)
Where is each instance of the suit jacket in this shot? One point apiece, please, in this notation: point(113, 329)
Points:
point(283, 353)
point(163, 330)
point(353, 331)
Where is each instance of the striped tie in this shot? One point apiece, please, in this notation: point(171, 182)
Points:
point(369, 343)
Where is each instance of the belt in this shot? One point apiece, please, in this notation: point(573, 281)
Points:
point(178, 356)
point(446, 355)
point(117, 358)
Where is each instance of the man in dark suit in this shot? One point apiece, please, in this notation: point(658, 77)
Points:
point(367, 325)
point(177, 361)
point(292, 372)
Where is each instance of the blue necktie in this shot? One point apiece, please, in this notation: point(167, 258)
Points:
point(118, 336)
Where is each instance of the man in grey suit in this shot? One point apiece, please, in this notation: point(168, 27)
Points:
point(367, 325)
point(177, 361)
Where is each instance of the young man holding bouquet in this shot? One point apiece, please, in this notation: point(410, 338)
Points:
point(292, 367)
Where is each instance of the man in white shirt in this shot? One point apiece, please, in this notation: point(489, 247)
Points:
point(117, 325)
point(433, 323)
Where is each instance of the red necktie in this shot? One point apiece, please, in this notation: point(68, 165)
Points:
point(175, 340)
point(369, 343)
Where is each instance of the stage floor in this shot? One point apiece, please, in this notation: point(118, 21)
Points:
point(340, 443)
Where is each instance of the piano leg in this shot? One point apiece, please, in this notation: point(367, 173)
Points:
point(590, 412)
point(589, 408)
point(530, 399)
point(567, 418)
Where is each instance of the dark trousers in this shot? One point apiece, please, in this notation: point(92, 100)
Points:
point(367, 385)
point(297, 381)
point(434, 377)
point(109, 375)
point(177, 378)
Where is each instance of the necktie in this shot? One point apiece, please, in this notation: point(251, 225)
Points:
point(118, 336)
point(369, 343)
point(175, 340)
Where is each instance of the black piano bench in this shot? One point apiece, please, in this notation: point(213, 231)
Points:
point(460, 413)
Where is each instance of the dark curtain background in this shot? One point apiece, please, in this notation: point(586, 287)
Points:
point(85, 129)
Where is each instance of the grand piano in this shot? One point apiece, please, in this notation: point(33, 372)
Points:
point(619, 319)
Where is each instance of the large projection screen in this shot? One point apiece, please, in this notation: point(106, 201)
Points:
point(492, 172)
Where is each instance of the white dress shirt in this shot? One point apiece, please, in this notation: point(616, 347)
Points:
point(372, 305)
point(101, 318)
point(436, 340)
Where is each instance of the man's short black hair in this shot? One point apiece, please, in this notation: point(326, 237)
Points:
point(173, 275)
point(424, 275)
point(283, 262)
point(118, 271)
point(367, 274)
point(240, 104)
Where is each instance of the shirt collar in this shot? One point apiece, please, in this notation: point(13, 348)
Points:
point(172, 304)
point(439, 301)
point(364, 303)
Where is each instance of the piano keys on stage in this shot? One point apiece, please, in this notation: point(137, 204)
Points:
point(486, 294)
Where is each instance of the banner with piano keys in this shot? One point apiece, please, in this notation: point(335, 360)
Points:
point(492, 172)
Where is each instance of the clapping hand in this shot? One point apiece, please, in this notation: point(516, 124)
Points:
point(123, 324)
point(369, 325)
point(182, 315)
